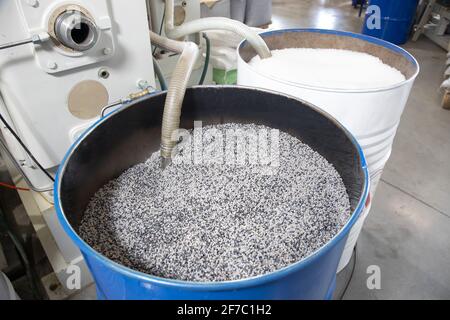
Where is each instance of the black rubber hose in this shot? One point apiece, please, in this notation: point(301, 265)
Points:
point(207, 57)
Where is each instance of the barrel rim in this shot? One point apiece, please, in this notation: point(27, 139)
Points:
point(219, 285)
point(373, 40)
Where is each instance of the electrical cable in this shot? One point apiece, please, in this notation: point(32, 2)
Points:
point(33, 281)
point(160, 27)
point(25, 148)
point(207, 57)
point(351, 274)
point(10, 186)
point(159, 75)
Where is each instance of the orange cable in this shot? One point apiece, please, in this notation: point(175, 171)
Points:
point(9, 186)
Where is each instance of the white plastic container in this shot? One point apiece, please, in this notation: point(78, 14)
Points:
point(371, 115)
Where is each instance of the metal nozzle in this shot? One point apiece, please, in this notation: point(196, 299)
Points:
point(165, 162)
point(76, 31)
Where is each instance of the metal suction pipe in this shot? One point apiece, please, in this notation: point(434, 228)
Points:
point(217, 23)
point(177, 88)
point(76, 31)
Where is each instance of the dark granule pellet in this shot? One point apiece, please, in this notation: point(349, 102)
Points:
point(218, 222)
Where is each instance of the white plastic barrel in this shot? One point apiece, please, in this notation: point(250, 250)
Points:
point(371, 115)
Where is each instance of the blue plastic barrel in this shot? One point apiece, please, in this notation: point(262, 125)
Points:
point(396, 18)
point(131, 134)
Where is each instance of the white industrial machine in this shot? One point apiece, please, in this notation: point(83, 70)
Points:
point(89, 53)
point(64, 64)
point(61, 63)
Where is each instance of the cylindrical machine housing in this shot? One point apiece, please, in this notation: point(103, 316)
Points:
point(371, 115)
point(130, 135)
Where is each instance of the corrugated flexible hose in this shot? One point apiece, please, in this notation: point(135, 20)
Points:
point(214, 23)
point(189, 53)
point(176, 91)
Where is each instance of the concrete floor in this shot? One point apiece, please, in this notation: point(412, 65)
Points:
point(408, 231)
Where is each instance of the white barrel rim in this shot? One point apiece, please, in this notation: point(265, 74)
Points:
point(373, 40)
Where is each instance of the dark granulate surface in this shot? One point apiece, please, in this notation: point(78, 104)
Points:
point(218, 221)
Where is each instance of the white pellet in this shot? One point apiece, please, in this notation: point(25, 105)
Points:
point(328, 68)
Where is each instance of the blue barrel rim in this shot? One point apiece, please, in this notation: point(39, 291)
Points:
point(208, 286)
point(364, 37)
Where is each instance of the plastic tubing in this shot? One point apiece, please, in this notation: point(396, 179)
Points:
point(215, 23)
point(176, 91)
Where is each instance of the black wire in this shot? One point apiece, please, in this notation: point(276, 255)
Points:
point(29, 271)
point(351, 275)
point(161, 26)
point(363, 3)
point(207, 57)
point(159, 75)
point(25, 148)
